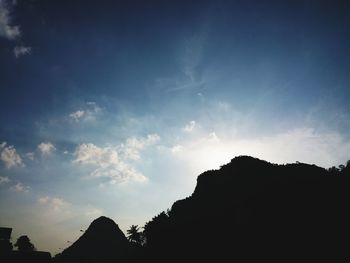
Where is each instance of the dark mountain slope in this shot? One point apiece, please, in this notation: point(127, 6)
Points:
point(103, 241)
point(247, 211)
point(251, 210)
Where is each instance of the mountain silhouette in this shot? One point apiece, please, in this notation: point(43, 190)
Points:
point(251, 210)
point(103, 241)
point(247, 211)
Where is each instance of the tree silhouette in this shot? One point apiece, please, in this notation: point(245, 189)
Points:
point(23, 244)
point(155, 230)
point(134, 234)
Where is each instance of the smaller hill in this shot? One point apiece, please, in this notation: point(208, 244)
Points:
point(103, 241)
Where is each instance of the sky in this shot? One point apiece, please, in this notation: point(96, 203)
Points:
point(115, 107)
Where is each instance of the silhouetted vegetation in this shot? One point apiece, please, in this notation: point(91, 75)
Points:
point(26, 251)
point(23, 244)
point(247, 211)
point(135, 235)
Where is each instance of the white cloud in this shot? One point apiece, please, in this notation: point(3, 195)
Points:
point(4, 180)
point(106, 163)
point(30, 155)
point(134, 145)
point(112, 162)
point(10, 31)
point(7, 29)
point(19, 187)
point(77, 115)
point(90, 113)
point(54, 204)
point(9, 156)
point(122, 172)
point(92, 154)
point(46, 148)
point(21, 51)
point(189, 127)
point(177, 148)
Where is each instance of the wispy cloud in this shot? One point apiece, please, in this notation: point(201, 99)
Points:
point(192, 56)
point(131, 149)
point(10, 156)
point(21, 51)
point(20, 187)
point(7, 29)
point(77, 115)
point(176, 148)
point(54, 204)
point(189, 60)
point(11, 31)
point(30, 155)
point(88, 113)
point(46, 148)
point(4, 180)
point(189, 127)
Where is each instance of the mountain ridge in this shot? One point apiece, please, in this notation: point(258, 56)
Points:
point(288, 207)
point(251, 210)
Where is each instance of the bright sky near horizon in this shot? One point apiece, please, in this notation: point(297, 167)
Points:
point(115, 107)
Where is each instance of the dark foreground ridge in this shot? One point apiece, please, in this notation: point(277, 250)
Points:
point(247, 211)
point(100, 242)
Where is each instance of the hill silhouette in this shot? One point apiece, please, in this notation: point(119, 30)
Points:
point(103, 241)
point(247, 211)
point(251, 210)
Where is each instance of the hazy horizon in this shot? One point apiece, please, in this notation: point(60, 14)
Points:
point(115, 107)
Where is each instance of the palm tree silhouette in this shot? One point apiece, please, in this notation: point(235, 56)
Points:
point(134, 234)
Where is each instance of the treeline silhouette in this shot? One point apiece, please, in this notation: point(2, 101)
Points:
point(26, 251)
point(247, 211)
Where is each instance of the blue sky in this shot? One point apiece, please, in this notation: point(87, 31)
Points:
point(115, 107)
